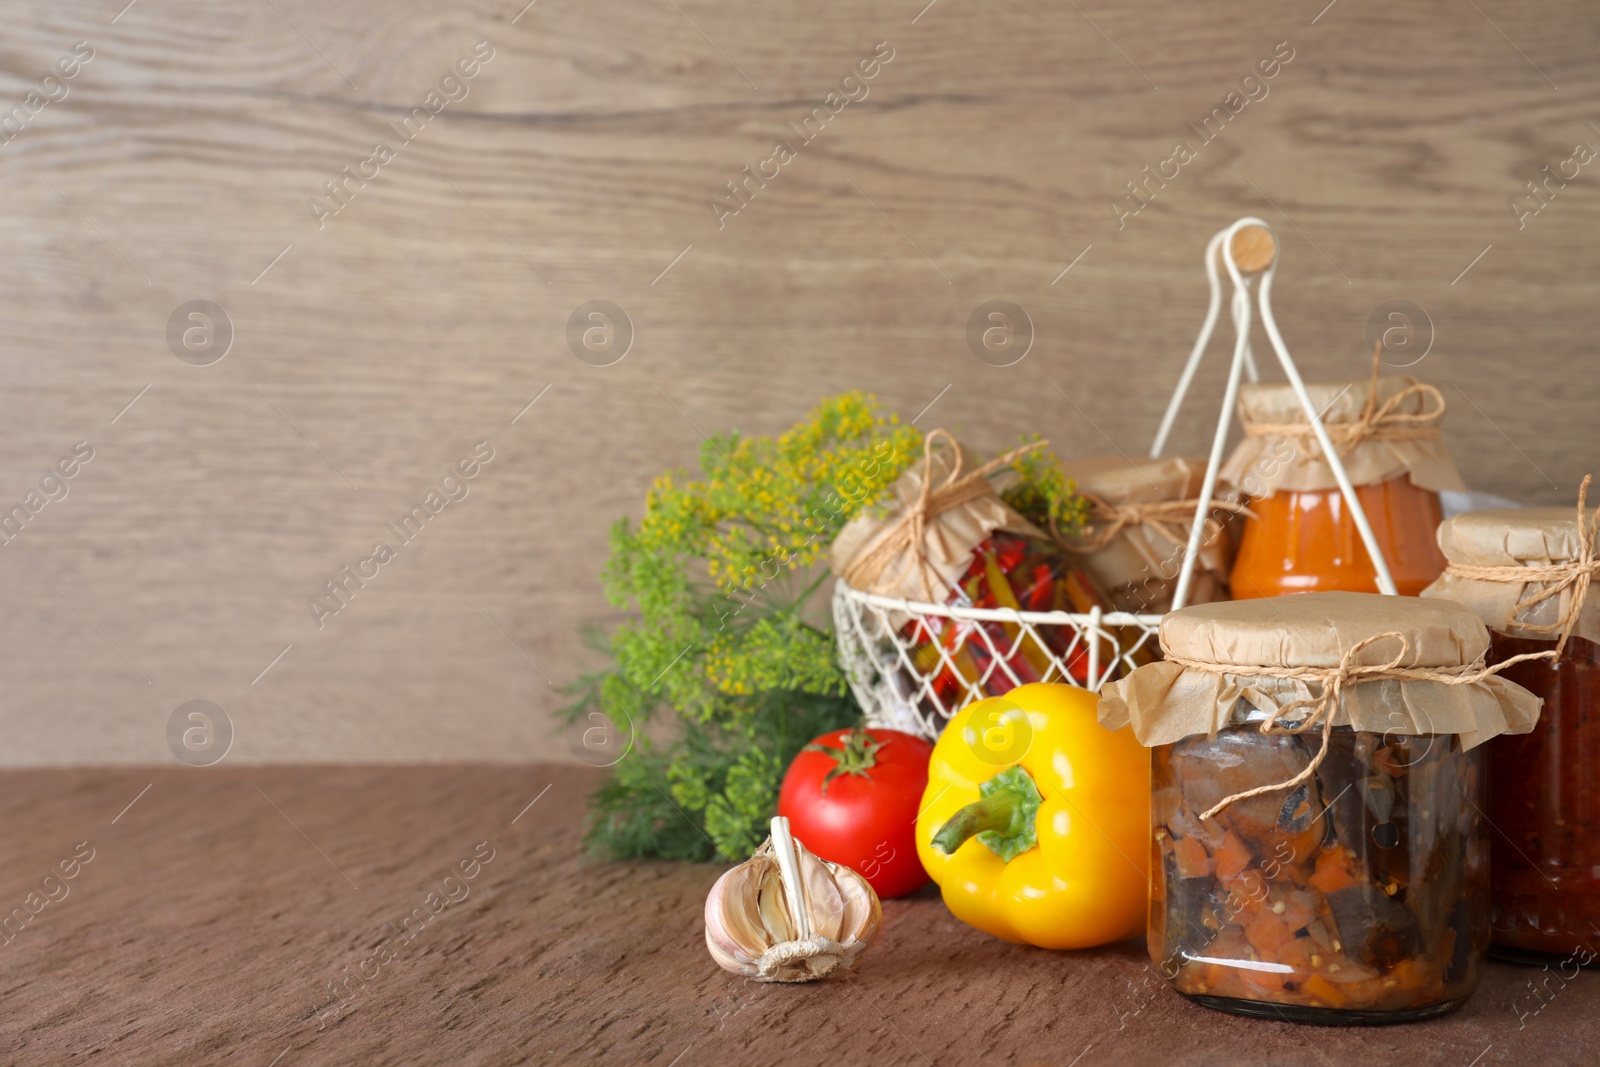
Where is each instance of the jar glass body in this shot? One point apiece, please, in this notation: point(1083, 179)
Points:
point(1544, 796)
point(1306, 541)
point(1360, 896)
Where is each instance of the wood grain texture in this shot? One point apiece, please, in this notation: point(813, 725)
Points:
point(431, 309)
point(207, 929)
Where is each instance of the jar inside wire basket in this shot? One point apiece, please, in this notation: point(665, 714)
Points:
point(1021, 613)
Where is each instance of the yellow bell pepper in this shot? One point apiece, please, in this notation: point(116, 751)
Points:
point(1036, 820)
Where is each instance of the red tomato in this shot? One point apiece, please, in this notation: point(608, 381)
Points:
point(852, 796)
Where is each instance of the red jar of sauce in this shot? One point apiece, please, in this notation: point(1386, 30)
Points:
point(1544, 794)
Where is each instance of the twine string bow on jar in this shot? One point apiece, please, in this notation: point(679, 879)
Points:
point(1167, 519)
point(1575, 575)
point(909, 530)
point(1377, 422)
point(1333, 681)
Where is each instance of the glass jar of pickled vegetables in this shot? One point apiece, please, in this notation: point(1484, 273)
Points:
point(951, 540)
point(1319, 848)
point(1138, 521)
point(1301, 537)
point(1521, 572)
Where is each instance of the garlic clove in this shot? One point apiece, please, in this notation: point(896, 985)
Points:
point(862, 914)
point(740, 963)
point(824, 902)
point(775, 912)
point(733, 921)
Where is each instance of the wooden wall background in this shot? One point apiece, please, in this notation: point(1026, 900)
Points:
point(432, 309)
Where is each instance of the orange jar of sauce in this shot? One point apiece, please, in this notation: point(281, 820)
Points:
point(1544, 786)
point(1304, 541)
point(1301, 537)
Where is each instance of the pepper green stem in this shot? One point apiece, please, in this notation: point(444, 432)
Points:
point(1002, 819)
point(993, 814)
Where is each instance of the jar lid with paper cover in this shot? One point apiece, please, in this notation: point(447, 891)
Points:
point(1317, 802)
point(1526, 572)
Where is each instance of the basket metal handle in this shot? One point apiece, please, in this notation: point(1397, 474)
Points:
point(1222, 246)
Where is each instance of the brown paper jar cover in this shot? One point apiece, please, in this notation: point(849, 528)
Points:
point(1167, 701)
point(1514, 537)
point(948, 539)
point(1256, 466)
point(1138, 568)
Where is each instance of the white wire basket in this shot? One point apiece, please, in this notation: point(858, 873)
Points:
point(896, 687)
point(896, 675)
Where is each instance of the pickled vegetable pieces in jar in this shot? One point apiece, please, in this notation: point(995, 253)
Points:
point(1364, 888)
point(995, 656)
point(1319, 848)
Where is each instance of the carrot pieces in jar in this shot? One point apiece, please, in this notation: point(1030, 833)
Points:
point(1355, 900)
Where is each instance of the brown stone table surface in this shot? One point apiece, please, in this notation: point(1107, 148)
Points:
point(220, 908)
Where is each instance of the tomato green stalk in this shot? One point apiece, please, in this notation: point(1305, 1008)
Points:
point(856, 756)
point(1002, 820)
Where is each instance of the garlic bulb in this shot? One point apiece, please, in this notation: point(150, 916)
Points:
point(787, 916)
